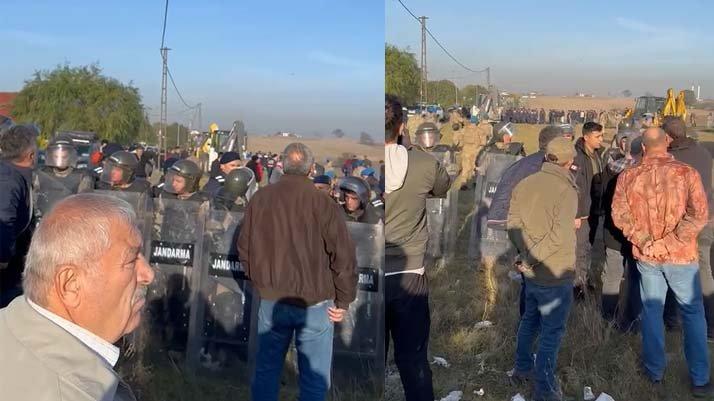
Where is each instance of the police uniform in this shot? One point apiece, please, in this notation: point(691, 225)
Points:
point(138, 185)
point(368, 215)
point(214, 184)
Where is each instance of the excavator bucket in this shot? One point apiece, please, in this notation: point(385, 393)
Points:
point(681, 107)
point(669, 105)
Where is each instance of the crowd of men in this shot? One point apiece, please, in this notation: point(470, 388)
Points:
point(524, 115)
point(60, 227)
point(650, 194)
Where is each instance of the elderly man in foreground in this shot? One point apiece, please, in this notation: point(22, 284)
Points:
point(84, 282)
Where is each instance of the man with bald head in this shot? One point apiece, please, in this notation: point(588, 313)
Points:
point(85, 282)
point(297, 252)
point(661, 206)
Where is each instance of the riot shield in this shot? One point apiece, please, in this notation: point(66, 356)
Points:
point(175, 253)
point(49, 190)
point(442, 216)
point(225, 311)
point(486, 242)
point(143, 207)
point(359, 362)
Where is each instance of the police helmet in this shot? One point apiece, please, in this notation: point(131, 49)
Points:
point(428, 135)
point(187, 170)
point(237, 184)
point(502, 129)
point(319, 169)
point(119, 168)
point(61, 155)
point(356, 185)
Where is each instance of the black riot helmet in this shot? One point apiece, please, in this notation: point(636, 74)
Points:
point(61, 155)
point(237, 184)
point(319, 170)
point(119, 168)
point(427, 135)
point(356, 185)
point(183, 177)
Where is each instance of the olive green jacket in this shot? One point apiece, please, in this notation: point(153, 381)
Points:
point(541, 224)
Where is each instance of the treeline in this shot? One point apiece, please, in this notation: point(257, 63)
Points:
point(403, 78)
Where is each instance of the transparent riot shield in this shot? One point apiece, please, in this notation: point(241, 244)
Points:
point(175, 253)
point(359, 362)
point(442, 217)
point(143, 206)
point(486, 242)
point(224, 314)
point(49, 190)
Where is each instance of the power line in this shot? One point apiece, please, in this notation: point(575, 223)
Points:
point(163, 33)
point(178, 92)
point(439, 43)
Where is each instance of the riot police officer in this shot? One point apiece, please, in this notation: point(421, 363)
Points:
point(232, 196)
point(118, 173)
point(427, 136)
point(354, 196)
point(229, 161)
point(181, 182)
point(501, 143)
point(59, 177)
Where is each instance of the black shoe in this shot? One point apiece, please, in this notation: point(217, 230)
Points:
point(704, 391)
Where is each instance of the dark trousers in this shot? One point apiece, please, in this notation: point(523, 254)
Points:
point(621, 301)
point(585, 237)
point(671, 307)
point(408, 322)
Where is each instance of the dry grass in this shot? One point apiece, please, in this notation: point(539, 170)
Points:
point(592, 354)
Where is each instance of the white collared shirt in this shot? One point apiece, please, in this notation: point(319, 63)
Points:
point(107, 351)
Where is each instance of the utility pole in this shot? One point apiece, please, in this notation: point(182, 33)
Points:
point(488, 77)
point(200, 117)
point(456, 90)
point(164, 87)
point(423, 95)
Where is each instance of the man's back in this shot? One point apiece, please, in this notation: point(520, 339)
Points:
point(661, 198)
point(294, 244)
point(541, 223)
point(405, 221)
point(689, 151)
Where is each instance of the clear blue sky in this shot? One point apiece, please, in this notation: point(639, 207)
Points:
point(565, 46)
point(301, 66)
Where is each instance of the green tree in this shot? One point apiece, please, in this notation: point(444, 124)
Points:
point(401, 75)
point(81, 98)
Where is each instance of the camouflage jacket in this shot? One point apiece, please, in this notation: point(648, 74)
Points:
point(661, 201)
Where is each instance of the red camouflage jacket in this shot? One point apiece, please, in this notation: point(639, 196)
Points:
point(661, 200)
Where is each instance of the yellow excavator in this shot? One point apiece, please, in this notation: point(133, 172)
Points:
point(649, 110)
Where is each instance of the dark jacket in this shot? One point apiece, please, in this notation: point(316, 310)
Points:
point(612, 236)
point(214, 185)
point(138, 185)
point(295, 247)
point(405, 218)
point(589, 181)
point(501, 201)
point(15, 209)
point(689, 151)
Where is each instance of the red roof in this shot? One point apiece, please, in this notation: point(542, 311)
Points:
point(6, 99)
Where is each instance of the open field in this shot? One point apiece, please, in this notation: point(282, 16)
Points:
point(578, 103)
point(331, 148)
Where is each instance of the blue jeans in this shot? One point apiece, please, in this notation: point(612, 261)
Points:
point(313, 339)
point(545, 315)
point(684, 282)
